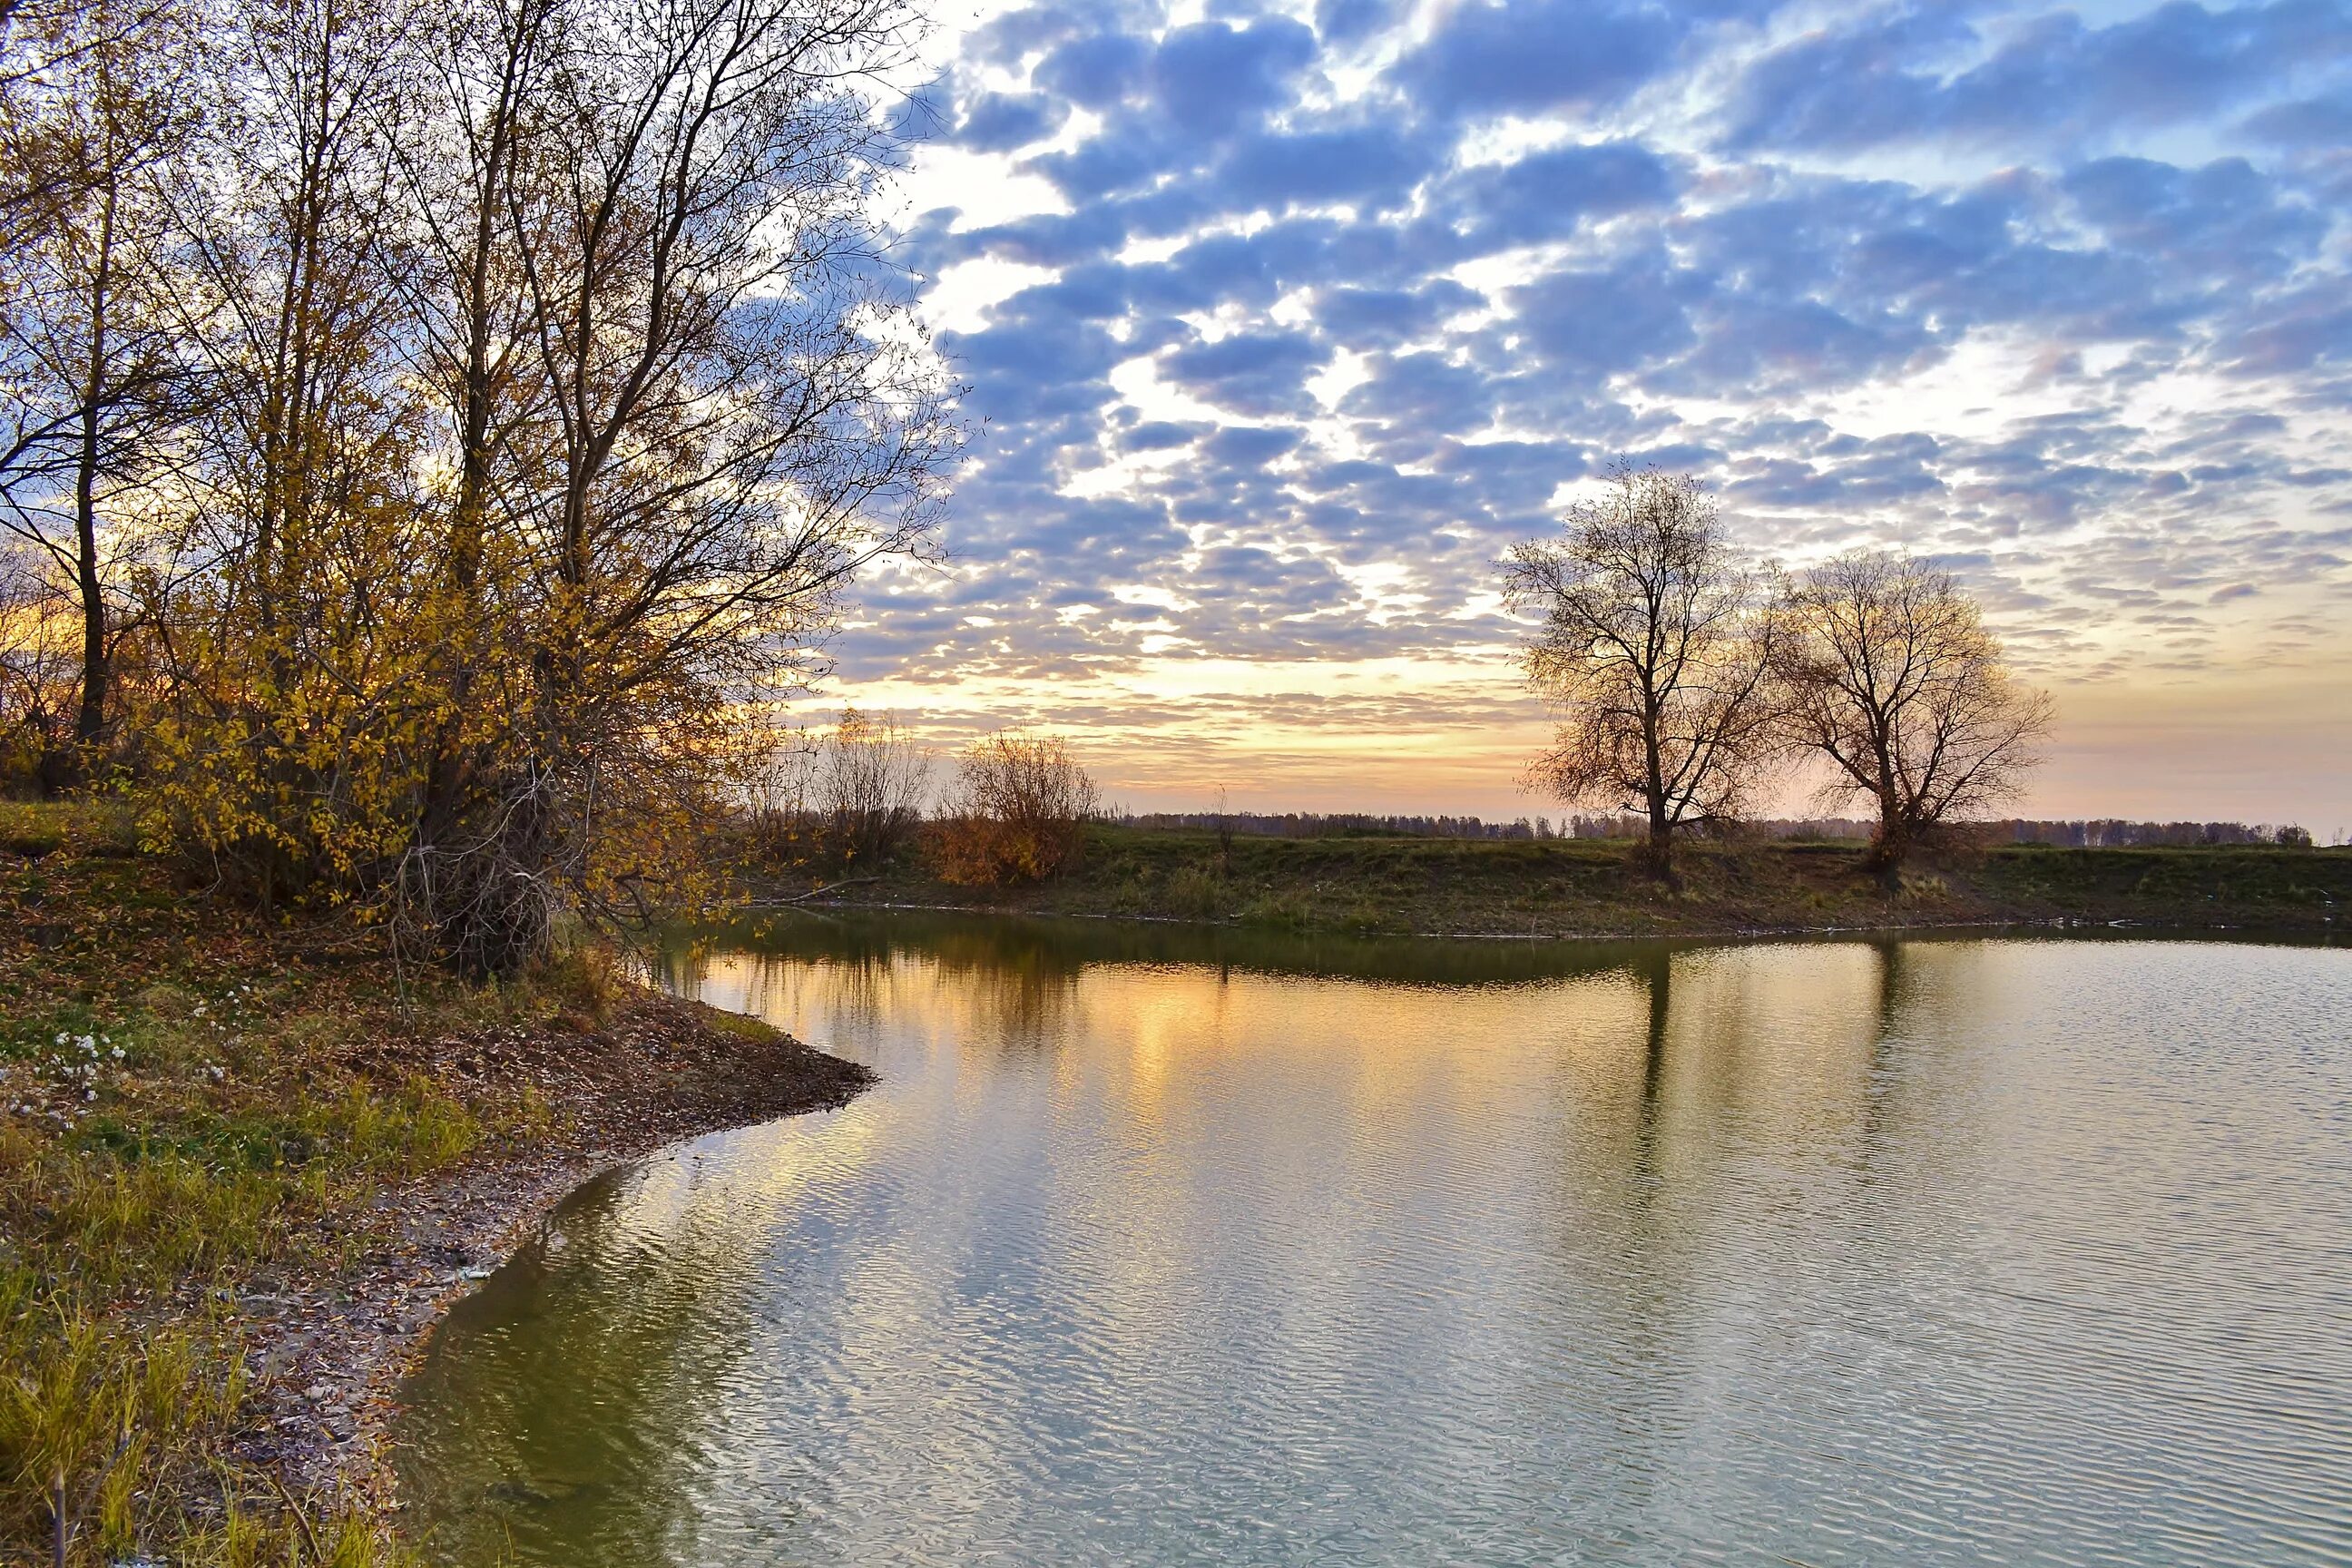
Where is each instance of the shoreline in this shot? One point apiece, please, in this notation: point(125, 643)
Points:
point(1556, 888)
point(2057, 925)
point(249, 1164)
point(327, 1364)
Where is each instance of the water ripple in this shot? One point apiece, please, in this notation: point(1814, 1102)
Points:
point(1955, 1252)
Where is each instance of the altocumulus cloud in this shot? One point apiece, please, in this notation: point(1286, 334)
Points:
point(1290, 318)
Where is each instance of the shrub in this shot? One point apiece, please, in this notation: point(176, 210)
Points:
point(1196, 892)
point(871, 778)
point(1019, 811)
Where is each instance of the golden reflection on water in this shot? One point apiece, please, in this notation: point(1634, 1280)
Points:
point(1161, 1246)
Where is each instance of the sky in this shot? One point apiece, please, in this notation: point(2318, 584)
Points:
point(1281, 322)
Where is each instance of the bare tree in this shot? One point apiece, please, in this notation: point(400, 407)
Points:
point(1891, 677)
point(871, 782)
point(92, 366)
point(687, 408)
point(1654, 652)
point(556, 387)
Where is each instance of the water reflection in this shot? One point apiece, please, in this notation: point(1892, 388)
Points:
point(1174, 1246)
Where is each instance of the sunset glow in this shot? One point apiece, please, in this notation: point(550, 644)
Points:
point(1281, 323)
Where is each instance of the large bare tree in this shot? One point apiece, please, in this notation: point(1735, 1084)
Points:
point(1890, 678)
point(686, 405)
point(1655, 653)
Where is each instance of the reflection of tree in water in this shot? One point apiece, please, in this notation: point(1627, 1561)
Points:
point(1892, 995)
point(566, 1403)
point(1018, 996)
point(1013, 988)
point(1621, 1265)
point(1649, 1219)
point(965, 942)
point(1657, 971)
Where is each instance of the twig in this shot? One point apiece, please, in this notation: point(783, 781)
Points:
point(309, 1538)
point(814, 892)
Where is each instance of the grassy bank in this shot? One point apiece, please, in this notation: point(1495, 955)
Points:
point(242, 1162)
point(1572, 886)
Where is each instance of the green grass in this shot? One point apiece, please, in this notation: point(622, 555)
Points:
point(178, 1121)
point(1583, 886)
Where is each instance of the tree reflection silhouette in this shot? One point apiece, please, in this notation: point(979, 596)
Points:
point(604, 1382)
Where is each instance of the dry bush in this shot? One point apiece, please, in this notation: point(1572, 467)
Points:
point(870, 781)
point(1019, 811)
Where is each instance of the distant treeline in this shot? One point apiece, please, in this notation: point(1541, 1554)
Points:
point(1356, 825)
point(2110, 833)
point(2098, 833)
point(2094, 833)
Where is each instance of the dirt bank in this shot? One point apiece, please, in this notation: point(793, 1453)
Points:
point(1580, 887)
point(328, 1350)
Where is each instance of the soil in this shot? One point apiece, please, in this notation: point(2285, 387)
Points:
point(328, 1353)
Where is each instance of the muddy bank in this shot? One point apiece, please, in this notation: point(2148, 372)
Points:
point(326, 1351)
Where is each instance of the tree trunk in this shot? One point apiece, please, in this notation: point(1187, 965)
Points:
point(1890, 846)
point(1658, 850)
point(90, 721)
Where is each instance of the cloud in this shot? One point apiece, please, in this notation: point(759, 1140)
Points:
point(1094, 72)
point(1357, 318)
point(1367, 165)
point(1548, 194)
point(998, 122)
point(2317, 122)
point(1928, 75)
point(1316, 318)
point(1607, 321)
point(1255, 373)
point(1488, 59)
point(1347, 21)
point(1208, 78)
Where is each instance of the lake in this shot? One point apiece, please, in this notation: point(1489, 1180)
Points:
point(1168, 1245)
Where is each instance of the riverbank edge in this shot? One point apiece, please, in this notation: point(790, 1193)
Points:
point(1599, 890)
point(248, 1163)
point(2054, 925)
point(327, 1368)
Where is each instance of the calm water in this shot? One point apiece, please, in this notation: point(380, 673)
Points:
point(1178, 1247)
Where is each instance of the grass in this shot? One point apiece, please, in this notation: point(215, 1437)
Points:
point(1578, 887)
point(180, 1121)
